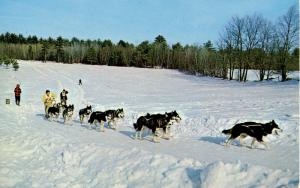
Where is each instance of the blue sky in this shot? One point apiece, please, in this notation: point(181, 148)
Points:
point(184, 21)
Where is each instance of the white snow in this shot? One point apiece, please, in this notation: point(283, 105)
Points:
point(35, 152)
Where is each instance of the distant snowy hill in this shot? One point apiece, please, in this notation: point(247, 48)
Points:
point(35, 152)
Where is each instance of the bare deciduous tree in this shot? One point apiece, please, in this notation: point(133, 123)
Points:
point(288, 31)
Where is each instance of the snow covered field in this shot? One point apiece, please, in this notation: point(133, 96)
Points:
point(35, 152)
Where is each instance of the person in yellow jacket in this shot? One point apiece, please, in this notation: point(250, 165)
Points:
point(48, 100)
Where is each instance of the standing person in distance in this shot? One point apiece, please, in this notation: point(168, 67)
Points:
point(18, 94)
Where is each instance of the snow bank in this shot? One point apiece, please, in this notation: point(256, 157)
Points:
point(96, 165)
point(243, 175)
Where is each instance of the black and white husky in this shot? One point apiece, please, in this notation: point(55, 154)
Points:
point(68, 112)
point(113, 115)
point(255, 130)
point(53, 111)
point(155, 122)
point(99, 117)
point(109, 116)
point(85, 112)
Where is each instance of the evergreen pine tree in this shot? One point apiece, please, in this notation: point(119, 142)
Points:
point(30, 53)
point(59, 49)
point(91, 56)
point(44, 51)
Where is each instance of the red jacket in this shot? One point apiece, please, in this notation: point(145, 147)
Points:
point(17, 91)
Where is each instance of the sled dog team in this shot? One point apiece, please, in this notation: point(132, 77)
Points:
point(153, 122)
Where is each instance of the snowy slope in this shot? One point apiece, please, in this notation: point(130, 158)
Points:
point(38, 153)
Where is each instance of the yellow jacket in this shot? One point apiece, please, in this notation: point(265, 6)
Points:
point(48, 100)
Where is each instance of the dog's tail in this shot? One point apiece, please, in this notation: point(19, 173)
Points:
point(226, 131)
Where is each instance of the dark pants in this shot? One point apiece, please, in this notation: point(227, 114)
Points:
point(18, 98)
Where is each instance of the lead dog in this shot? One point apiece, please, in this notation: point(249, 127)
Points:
point(255, 130)
point(155, 122)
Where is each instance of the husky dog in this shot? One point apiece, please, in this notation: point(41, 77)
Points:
point(68, 113)
point(173, 116)
point(84, 113)
point(99, 117)
point(255, 130)
point(53, 112)
point(113, 115)
point(155, 122)
point(109, 116)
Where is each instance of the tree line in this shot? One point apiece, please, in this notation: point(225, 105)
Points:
point(249, 42)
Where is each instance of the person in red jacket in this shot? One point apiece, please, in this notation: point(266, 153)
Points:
point(18, 94)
